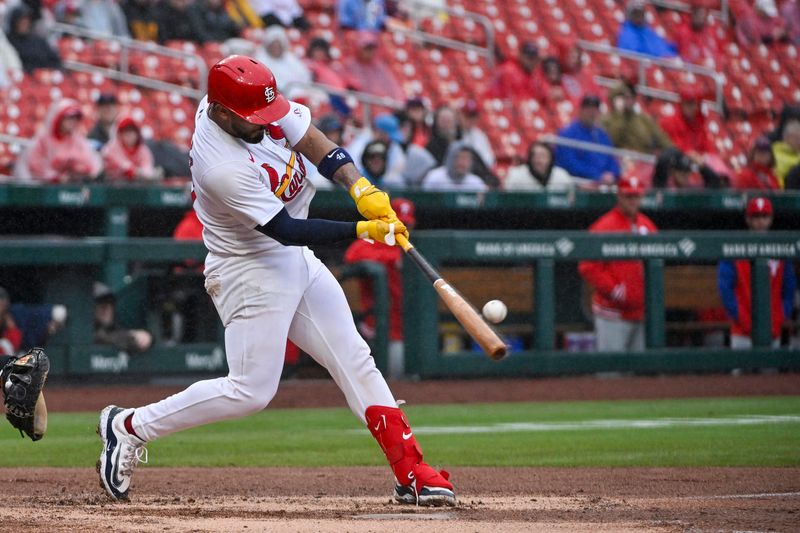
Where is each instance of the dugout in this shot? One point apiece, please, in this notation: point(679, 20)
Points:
point(56, 240)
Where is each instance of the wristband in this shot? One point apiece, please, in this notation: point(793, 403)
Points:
point(332, 162)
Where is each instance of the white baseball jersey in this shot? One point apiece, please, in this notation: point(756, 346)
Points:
point(264, 292)
point(238, 186)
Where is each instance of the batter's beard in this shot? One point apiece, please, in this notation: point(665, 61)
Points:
point(249, 138)
point(254, 139)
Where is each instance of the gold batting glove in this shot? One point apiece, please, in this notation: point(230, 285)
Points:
point(371, 202)
point(378, 230)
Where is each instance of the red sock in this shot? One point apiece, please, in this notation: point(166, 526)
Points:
point(390, 428)
point(129, 426)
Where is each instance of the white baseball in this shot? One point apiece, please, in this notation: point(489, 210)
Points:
point(495, 311)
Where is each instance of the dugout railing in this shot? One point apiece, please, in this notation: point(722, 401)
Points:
point(67, 267)
point(546, 253)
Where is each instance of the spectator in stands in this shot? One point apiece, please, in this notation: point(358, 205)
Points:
point(320, 63)
point(577, 78)
point(169, 157)
point(473, 135)
point(106, 329)
point(242, 13)
point(790, 13)
point(374, 163)
point(126, 157)
point(628, 127)
point(319, 59)
point(333, 128)
point(792, 181)
point(41, 14)
point(674, 170)
point(60, 152)
point(180, 20)
point(695, 39)
point(10, 63)
point(218, 25)
point(277, 54)
point(635, 34)
point(734, 284)
point(787, 150)
point(360, 15)
point(552, 88)
point(539, 172)
point(107, 109)
point(687, 127)
point(286, 13)
point(10, 334)
point(419, 162)
point(618, 299)
point(789, 112)
point(759, 173)
point(455, 175)
point(142, 17)
point(760, 23)
point(104, 16)
point(385, 128)
point(595, 166)
point(520, 78)
point(414, 125)
point(367, 72)
point(417, 115)
point(34, 51)
point(391, 257)
point(445, 130)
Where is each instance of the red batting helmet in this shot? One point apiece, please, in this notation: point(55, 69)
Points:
point(247, 88)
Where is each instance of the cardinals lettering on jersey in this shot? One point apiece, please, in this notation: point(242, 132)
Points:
point(289, 185)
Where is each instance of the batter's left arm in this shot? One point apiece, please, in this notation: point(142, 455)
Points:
point(335, 163)
point(316, 147)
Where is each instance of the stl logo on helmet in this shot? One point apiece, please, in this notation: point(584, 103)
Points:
point(288, 186)
point(269, 94)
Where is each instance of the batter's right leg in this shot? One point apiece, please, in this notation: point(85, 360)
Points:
point(323, 327)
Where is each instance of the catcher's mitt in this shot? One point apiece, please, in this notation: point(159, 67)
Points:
point(23, 379)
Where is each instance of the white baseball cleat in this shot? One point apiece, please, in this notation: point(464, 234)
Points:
point(121, 452)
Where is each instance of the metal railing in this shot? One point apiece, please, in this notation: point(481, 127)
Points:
point(366, 99)
point(723, 13)
point(416, 33)
point(123, 73)
point(5, 138)
point(599, 148)
point(645, 61)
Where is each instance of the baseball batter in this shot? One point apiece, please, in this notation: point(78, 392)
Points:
point(249, 159)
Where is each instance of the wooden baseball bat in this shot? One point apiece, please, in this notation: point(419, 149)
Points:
point(470, 319)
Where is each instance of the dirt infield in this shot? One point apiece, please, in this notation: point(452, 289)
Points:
point(357, 499)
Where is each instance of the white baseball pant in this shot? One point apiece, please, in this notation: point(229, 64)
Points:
point(287, 292)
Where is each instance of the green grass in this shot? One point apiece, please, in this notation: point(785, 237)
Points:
point(318, 437)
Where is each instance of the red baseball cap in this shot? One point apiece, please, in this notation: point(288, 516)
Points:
point(759, 206)
point(631, 185)
point(405, 210)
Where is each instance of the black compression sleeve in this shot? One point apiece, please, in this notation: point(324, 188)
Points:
point(5, 359)
point(301, 232)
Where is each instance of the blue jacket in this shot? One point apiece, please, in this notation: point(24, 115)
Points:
point(583, 163)
point(362, 15)
point(644, 40)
